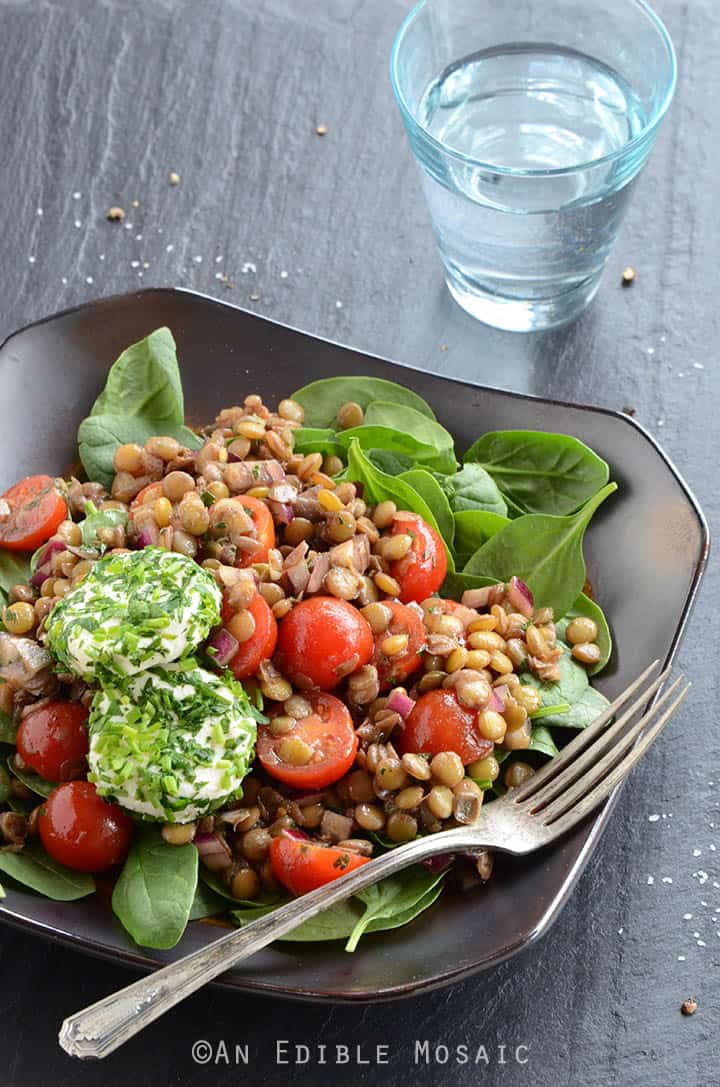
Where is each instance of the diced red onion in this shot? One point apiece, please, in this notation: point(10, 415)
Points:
point(43, 571)
point(282, 512)
point(497, 698)
point(298, 575)
point(214, 851)
point(248, 544)
point(400, 702)
point(150, 535)
point(520, 597)
point(294, 833)
point(225, 646)
point(438, 862)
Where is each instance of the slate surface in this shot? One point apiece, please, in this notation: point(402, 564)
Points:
point(103, 100)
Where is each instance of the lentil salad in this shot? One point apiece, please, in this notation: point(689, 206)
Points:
point(398, 637)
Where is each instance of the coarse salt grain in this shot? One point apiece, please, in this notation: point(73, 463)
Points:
point(78, 223)
point(248, 266)
point(169, 248)
point(711, 847)
point(697, 852)
point(31, 260)
point(667, 879)
point(101, 257)
point(198, 259)
point(681, 958)
point(651, 350)
point(338, 304)
point(64, 280)
point(134, 263)
point(651, 880)
point(283, 274)
point(701, 943)
point(218, 260)
point(138, 237)
point(89, 279)
point(77, 195)
point(653, 818)
point(698, 366)
point(39, 211)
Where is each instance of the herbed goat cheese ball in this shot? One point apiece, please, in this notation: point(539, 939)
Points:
point(132, 612)
point(172, 744)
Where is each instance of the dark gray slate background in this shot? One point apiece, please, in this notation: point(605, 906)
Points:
point(105, 98)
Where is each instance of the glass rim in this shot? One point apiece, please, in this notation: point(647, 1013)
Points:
point(637, 140)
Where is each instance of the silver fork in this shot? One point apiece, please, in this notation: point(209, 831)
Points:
point(527, 818)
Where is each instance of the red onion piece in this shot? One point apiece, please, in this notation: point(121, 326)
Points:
point(438, 862)
point(294, 833)
point(214, 851)
point(282, 512)
point(497, 698)
point(225, 646)
point(520, 596)
point(400, 703)
point(42, 570)
point(150, 535)
point(298, 576)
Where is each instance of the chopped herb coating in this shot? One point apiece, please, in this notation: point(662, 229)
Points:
point(132, 612)
point(173, 743)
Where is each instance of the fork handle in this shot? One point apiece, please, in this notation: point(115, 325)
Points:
point(103, 1027)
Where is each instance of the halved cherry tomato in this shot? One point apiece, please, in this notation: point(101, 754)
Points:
point(260, 645)
point(264, 529)
point(330, 735)
point(148, 494)
point(394, 669)
point(422, 571)
point(36, 510)
point(79, 829)
point(53, 740)
point(439, 723)
point(301, 866)
point(320, 638)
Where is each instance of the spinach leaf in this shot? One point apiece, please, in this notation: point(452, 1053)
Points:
point(586, 607)
point(317, 440)
point(142, 397)
point(216, 884)
point(8, 728)
point(379, 486)
point(322, 399)
point(206, 903)
point(542, 741)
point(2, 892)
point(95, 519)
point(156, 889)
point(5, 787)
point(545, 551)
point(33, 781)
point(395, 901)
point(14, 570)
point(411, 422)
point(582, 713)
point(572, 688)
point(473, 528)
point(457, 582)
point(335, 923)
point(35, 869)
point(472, 488)
point(393, 464)
point(541, 473)
point(425, 484)
point(400, 443)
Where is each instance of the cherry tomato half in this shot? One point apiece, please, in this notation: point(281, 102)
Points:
point(439, 723)
point(260, 645)
point(301, 866)
point(264, 529)
point(320, 638)
point(36, 510)
point(422, 571)
point(394, 669)
point(53, 740)
point(330, 735)
point(79, 829)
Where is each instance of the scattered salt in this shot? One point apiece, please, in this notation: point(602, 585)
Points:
point(31, 260)
point(651, 350)
point(697, 852)
point(218, 259)
point(78, 223)
point(169, 248)
point(653, 818)
point(138, 237)
point(698, 366)
point(39, 212)
point(248, 266)
point(198, 259)
point(89, 279)
point(651, 880)
point(134, 263)
point(77, 195)
point(681, 958)
point(338, 304)
point(620, 931)
point(64, 280)
point(667, 879)
point(283, 274)
point(712, 847)
point(661, 422)
point(101, 257)
point(701, 943)
point(687, 917)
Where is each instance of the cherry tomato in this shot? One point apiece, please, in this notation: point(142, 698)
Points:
point(147, 495)
point(439, 723)
point(36, 510)
point(262, 643)
point(264, 529)
point(301, 866)
point(330, 735)
point(53, 740)
point(394, 669)
point(79, 829)
point(422, 571)
point(320, 638)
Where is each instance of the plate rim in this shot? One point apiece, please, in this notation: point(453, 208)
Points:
point(413, 987)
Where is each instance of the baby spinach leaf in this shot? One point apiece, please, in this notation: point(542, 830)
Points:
point(393, 464)
point(379, 486)
point(473, 528)
point(574, 689)
point(33, 781)
point(100, 435)
point(35, 869)
point(5, 786)
point(323, 399)
point(542, 741)
point(216, 884)
point(472, 488)
point(582, 713)
point(206, 903)
point(395, 901)
point(541, 473)
point(335, 923)
point(14, 570)
point(550, 711)
point(317, 440)
point(8, 728)
point(2, 892)
point(414, 423)
point(400, 443)
point(457, 582)
point(95, 519)
point(425, 484)
point(156, 889)
point(588, 608)
point(544, 550)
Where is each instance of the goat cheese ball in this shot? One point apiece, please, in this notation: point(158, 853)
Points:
point(132, 612)
point(172, 744)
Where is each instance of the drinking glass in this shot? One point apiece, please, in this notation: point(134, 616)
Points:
point(530, 121)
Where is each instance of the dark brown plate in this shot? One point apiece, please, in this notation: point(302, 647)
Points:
point(646, 551)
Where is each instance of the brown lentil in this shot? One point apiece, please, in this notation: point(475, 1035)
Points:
point(255, 844)
point(517, 774)
point(440, 801)
point(387, 584)
point(369, 817)
point(349, 415)
point(19, 618)
point(586, 652)
point(384, 514)
point(178, 833)
point(491, 725)
point(401, 827)
point(416, 766)
point(447, 768)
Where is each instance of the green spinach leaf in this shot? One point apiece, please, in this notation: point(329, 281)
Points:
point(8, 728)
point(473, 528)
point(395, 901)
point(393, 464)
point(410, 422)
point(542, 741)
point(323, 399)
point(425, 484)
point(14, 570)
point(95, 519)
point(335, 923)
point(33, 781)
point(399, 443)
point(206, 903)
point(100, 435)
point(544, 550)
point(472, 488)
point(155, 892)
point(541, 473)
point(35, 869)
point(586, 607)
point(317, 440)
point(457, 582)
point(574, 689)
